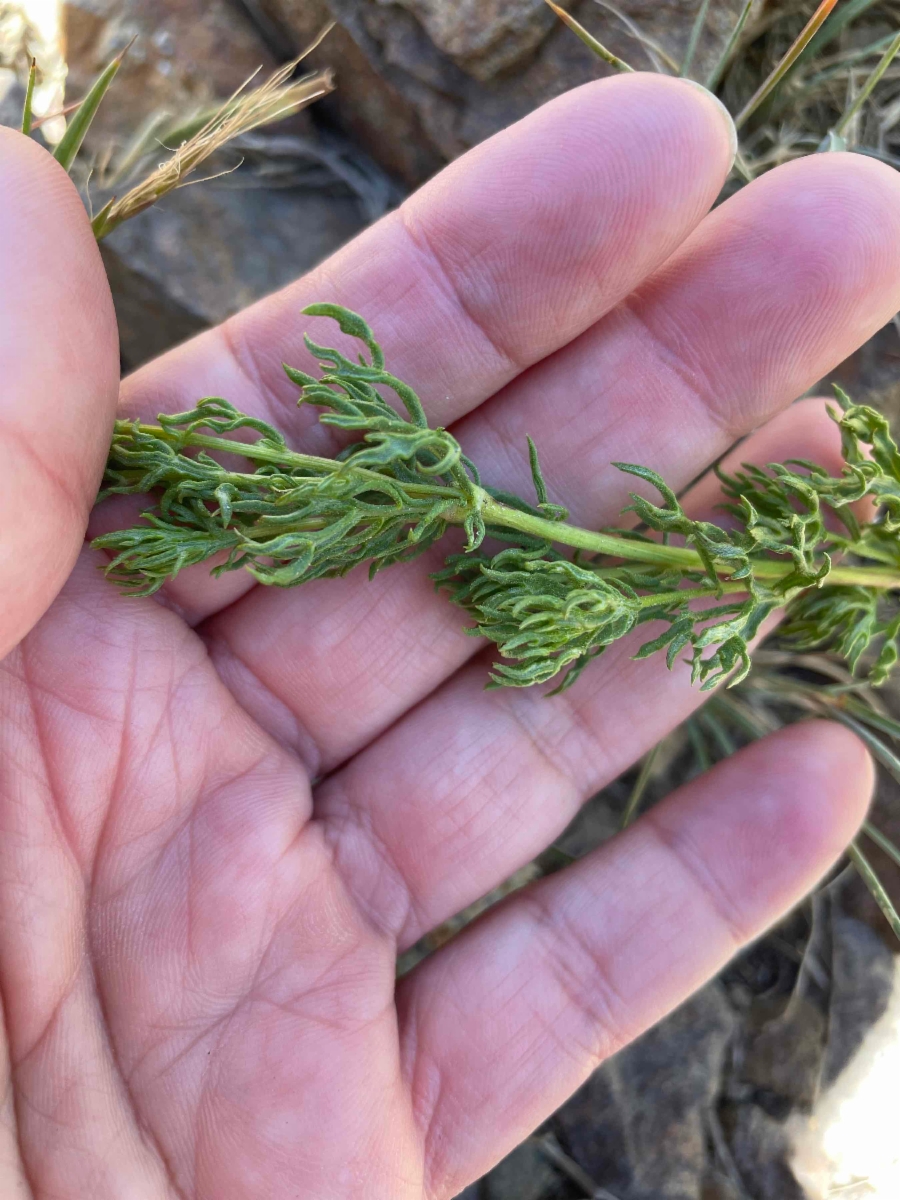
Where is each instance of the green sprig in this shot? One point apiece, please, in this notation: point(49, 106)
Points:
point(553, 596)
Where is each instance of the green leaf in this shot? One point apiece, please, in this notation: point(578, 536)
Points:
point(80, 121)
point(555, 596)
point(875, 886)
point(694, 39)
point(882, 842)
point(715, 76)
point(29, 99)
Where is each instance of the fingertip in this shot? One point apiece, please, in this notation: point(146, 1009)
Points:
point(668, 108)
point(782, 282)
point(858, 197)
point(835, 227)
point(588, 195)
point(829, 773)
point(766, 824)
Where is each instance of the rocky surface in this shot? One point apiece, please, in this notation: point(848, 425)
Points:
point(205, 252)
point(419, 81)
point(696, 1108)
point(437, 78)
point(185, 55)
point(654, 1151)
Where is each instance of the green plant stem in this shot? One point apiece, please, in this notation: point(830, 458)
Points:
point(29, 99)
point(715, 77)
point(270, 454)
point(589, 40)
point(694, 40)
point(640, 787)
point(874, 79)
point(498, 514)
point(875, 886)
point(652, 552)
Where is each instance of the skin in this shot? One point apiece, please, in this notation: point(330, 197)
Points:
point(222, 814)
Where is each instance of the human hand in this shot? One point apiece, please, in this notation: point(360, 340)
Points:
point(223, 814)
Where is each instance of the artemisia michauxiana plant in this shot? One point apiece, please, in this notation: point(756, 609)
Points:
point(549, 594)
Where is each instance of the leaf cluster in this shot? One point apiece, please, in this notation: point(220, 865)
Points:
point(292, 518)
point(397, 485)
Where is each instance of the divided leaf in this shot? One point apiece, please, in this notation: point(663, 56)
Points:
point(398, 485)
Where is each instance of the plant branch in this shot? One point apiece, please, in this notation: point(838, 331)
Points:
point(495, 513)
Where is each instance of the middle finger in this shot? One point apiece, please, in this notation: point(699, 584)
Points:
point(771, 291)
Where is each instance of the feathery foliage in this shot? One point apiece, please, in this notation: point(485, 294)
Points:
point(295, 517)
point(399, 486)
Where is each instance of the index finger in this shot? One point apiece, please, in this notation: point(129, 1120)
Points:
point(507, 255)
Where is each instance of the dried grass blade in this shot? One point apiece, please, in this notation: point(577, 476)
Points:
point(841, 65)
point(640, 787)
point(589, 40)
point(242, 112)
point(138, 146)
point(699, 746)
point(768, 86)
point(868, 716)
point(717, 731)
point(37, 122)
point(654, 50)
point(880, 751)
point(836, 24)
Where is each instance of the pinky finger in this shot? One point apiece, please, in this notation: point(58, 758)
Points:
point(505, 1023)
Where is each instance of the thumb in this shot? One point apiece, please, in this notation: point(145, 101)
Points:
point(59, 355)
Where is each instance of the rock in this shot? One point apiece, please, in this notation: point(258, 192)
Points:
point(420, 81)
point(785, 1059)
point(366, 104)
point(205, 252)
point(851, 1134)
point(483, 38)
point(862, 975)
point(187, 54)
point(523, 1175)
point(760, 1149)
point(658, 1150)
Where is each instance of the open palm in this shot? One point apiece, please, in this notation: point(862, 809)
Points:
point(221, 815)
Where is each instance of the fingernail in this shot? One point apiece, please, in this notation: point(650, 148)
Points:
point(726, 115)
